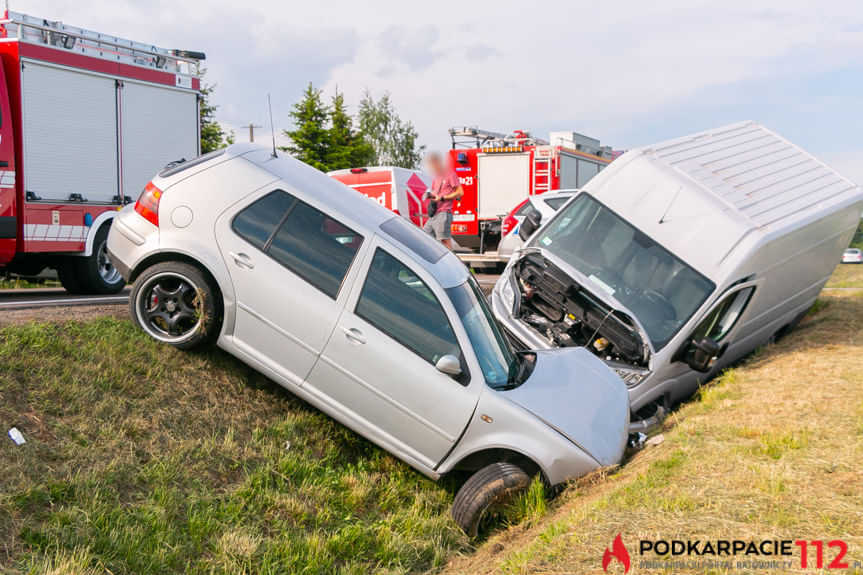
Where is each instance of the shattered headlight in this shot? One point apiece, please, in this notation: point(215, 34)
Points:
point(630, 376)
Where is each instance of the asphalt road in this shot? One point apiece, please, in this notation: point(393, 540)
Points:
point(50, 297)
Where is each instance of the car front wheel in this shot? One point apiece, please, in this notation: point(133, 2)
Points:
point(175, 302)
point(486, 492)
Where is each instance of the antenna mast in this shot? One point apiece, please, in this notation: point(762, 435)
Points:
point(272, 127)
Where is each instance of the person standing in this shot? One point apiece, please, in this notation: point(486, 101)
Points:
point(446, 190)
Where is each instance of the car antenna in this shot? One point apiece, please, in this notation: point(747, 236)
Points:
point(272, 127)
point(671, 203)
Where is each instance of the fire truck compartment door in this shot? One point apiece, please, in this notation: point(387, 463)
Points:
point(159, 125)
point(70, 133)
point(504, 181)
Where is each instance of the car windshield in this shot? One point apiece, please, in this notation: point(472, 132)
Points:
point(499, 363)
point(660, 289)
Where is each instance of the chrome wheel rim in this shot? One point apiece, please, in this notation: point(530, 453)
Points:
point(168, 307)
point(107, 271)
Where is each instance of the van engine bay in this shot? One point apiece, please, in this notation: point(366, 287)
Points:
point(568, 315)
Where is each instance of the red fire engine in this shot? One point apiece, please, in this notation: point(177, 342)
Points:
point(86, 119)
point(498, 171)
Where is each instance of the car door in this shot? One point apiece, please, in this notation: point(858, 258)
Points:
point(288, 261)
point(379, 365)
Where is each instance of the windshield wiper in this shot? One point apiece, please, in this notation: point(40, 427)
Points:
point(524, 367)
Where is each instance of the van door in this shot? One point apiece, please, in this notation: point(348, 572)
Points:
point(720, 322)
point(288, 261)
point(379, 365)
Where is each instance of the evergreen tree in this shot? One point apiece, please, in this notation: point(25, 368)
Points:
point(348, 149)
point(310, 138)
point(212, 135)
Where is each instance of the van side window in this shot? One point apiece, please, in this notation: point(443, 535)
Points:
point(400, 304)
point(305, 240)
point(724, 316)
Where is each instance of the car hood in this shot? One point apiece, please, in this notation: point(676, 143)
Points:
point(574, 392)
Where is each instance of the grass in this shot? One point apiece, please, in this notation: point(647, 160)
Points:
point(143, 459)
point(15, 282)
point(847, 276)
point(771, 449)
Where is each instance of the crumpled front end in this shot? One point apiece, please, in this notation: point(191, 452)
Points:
point(575, 393)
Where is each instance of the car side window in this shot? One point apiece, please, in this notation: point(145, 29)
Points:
point(397, 302)
point(257, 222)
point(724, 316)
point(304, 239)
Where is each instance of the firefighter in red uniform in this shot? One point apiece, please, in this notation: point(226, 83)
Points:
point(446, 189)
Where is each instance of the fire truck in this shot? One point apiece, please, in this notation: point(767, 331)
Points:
point(86, 119)
point(499, 171)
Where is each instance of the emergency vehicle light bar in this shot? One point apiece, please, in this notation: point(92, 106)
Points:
point(502, 149)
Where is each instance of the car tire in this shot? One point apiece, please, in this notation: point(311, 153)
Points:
point(489, 487)
point(93, 274)
point(176, 303)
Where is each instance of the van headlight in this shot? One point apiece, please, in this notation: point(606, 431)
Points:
point(506, 292)
point(630, 376)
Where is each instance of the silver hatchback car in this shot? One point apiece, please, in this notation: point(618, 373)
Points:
point(362, 315)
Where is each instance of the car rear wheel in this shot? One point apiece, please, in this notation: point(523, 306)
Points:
point(485, 493)
point(175, 302)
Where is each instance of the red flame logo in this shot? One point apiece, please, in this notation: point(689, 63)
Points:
point(619, 552)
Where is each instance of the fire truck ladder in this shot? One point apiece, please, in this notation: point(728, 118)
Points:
point(541, 170)
point(87, 42)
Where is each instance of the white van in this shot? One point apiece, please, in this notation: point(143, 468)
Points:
point(682, 257)
point(398, 189)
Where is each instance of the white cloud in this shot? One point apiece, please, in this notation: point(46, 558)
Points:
point(604, 68)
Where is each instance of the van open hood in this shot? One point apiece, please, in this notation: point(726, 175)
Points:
point(578, 395)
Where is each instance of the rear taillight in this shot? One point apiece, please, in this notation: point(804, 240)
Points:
point(148, 204)
point(510, 221)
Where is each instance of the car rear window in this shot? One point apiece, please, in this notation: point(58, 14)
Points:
point(414, 239)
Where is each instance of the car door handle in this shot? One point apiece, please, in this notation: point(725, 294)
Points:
point(354, 335)
point(242, 260)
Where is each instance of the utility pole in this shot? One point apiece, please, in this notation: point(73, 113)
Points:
point(251, 128)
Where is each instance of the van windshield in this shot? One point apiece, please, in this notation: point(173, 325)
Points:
point(660, 289)
point(500, 365)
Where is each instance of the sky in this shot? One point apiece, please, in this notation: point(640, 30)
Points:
point(629, 73)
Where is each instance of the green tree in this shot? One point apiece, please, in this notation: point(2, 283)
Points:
point(347, 147)
point(393, 140)
point(310, 138)
point(212, 135)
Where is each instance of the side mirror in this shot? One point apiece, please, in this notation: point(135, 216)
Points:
point(529, 225)
point(703, 353)
point(449, 364)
